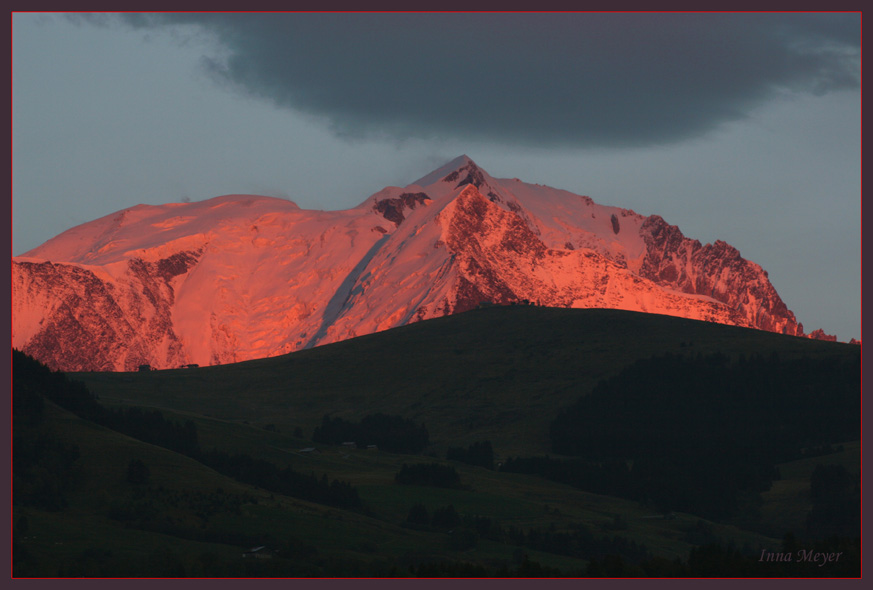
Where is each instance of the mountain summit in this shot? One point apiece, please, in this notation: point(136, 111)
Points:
point(241, 277)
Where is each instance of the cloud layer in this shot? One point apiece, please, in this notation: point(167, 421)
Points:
point(574, 80)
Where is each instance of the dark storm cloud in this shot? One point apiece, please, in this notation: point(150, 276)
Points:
point(548, 79)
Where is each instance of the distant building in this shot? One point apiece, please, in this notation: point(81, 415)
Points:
point(145, 368)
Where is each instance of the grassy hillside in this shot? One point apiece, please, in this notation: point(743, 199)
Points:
point(497, 374)
point(189, 520)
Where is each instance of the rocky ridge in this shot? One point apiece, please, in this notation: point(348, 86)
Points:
point(242, 277)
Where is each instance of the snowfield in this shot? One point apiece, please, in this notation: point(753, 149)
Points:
point(239, 277)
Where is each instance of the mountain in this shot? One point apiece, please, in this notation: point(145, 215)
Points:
point(241, 277)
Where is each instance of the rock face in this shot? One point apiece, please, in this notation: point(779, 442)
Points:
point(394, 209)
point(242, 277)
point(820, 335)
point(714, 270)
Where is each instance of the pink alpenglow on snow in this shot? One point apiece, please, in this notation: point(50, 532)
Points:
point(242, 277)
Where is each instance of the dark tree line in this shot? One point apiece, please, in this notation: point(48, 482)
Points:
point(32, 381)
point(285, 480)
point(479, 453)
point(697, 432)
point(138, 509)
point(390, 433)
point(43, 466)
point(773, 407)
point(444, 517)
point(836, 502)
point(577, 541)
point(428, 474)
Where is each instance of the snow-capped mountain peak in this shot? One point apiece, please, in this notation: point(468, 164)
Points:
point(242, 276)
point(444, 170)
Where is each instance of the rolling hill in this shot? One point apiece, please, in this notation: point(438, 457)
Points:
point(502, 374)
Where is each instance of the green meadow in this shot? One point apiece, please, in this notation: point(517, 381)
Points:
point(499, 374)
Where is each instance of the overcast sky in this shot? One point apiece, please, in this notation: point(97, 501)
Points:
point(740, 127)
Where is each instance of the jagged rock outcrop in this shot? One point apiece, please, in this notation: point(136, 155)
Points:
point(714, 270)
point(393, 209)
point(820, 335)
point(89, 322)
